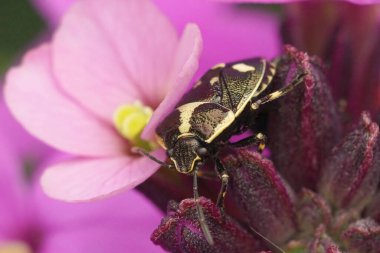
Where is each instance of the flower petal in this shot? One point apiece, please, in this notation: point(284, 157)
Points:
point(291, 1)
point(23, 144)
point(351, 174)
point(263, 196)
point(52, 10)
point(88, 179)
point(110, 52)
point(185, 65)
point(362, 236)
point(229, 33)
point(260, 1)
point(305, 125)
point(122, 223)
point(180, 230)
point(166, 185)
point(12, 196)
point(34, 100)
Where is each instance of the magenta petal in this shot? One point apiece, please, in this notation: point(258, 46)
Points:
point(22, 144)
point(32, 96)
point(109, 52)
point(304, 125)
point(119, 224)
point(180, 230)
point(259, 1)
point(99, 239)
point(362, 236)
point(185, 65)
point(229, 33)
point(88, 179)
point(351, 174)
point(12, 196)
point(291, 1)
point(265, 199)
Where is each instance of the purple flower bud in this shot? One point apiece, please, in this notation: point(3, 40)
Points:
point(180, 230)
point(351, 172)
point(312, 210)
point(363, 236)
point(305, 125)
point(265, 199)
point(322, 242)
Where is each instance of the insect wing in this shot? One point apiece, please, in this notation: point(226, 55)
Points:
point(240, 81)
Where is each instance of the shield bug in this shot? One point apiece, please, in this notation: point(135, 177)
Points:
point(223, 103)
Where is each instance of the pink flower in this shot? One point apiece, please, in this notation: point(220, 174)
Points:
point(290, 1)
point(52, 10)
point(66, 92)
point(32, 222)
point(104, 56)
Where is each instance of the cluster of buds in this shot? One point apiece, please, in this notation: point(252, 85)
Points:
point(317, 192)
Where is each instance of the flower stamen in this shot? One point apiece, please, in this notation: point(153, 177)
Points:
point(130, 120)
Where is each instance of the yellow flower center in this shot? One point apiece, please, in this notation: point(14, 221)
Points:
point(130, 120)
point(15, 247)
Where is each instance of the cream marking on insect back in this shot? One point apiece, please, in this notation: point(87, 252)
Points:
point(186, 111)
point(242, 67)
point(220, 65)
point(226, 122)
point(214, 80)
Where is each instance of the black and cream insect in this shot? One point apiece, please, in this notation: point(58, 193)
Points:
point(223, 103)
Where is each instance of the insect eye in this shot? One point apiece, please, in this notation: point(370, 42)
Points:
point(202, 151)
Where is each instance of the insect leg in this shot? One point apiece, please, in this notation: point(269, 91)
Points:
point(201, 216)
point(209, 175)
point(259, 140)
point(144, 153)
point(279, 93)
point(223, 189)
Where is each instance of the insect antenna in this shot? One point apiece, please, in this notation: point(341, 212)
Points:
point(201, 216)
point(267, 240)
point(144, 153)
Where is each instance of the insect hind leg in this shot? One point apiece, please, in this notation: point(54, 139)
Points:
point(279, 93)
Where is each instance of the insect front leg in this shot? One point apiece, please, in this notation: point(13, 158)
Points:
point(223, 188)
point(208, 175)
point(201, 215)
point(259, 140)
